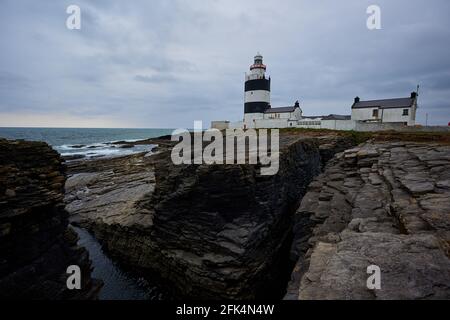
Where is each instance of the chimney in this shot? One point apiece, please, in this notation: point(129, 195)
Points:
point(413, 95)
point(356, 99)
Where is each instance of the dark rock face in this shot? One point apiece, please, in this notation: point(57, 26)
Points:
point(384, 204)
point(36, 245)
point(224, 225)
point(215, 231)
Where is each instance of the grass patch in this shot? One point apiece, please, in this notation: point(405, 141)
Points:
point(360, 136)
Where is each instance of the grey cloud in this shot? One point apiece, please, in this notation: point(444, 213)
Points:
point(155, 78)
point(11, 80)
point(167, 63)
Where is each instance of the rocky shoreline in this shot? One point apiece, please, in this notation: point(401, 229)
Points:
point(210, 231)
point(339, 203)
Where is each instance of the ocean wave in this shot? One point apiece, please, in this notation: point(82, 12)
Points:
point(100, 150)
point(126, 140)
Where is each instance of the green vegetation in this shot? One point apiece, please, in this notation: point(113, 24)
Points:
point(391, 135)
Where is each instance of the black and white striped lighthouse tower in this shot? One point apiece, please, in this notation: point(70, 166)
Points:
point(257, 90)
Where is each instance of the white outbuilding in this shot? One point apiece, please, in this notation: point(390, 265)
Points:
point(399, 110)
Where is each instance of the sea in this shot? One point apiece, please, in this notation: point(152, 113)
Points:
point(119, 283)
point(86, 142)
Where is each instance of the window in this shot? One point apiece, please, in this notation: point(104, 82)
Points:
point(375, 113)
point(405, 112)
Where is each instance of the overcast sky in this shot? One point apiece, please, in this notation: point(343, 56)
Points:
point(167, 63)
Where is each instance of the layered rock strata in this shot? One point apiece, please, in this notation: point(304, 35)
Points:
point(110, 191)
point(36, 245)
point(384, 204)
point(208, 231)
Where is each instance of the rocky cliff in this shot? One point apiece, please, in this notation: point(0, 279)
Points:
point(208, 231)
point(386, 204)
point(36, 246)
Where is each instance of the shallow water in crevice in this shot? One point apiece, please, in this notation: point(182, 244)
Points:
point(119, 284)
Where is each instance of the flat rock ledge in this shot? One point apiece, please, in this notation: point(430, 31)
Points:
point(384, 204)
point(110, 191)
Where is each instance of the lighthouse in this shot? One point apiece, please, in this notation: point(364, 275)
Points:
point(257, 92)
point(258, 112)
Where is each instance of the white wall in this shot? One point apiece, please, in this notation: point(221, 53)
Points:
point(292, 123)
point(338, 124)
point(272, 123)
point(377, 126)
point(314, 123)
point(387, 115)
point(282, 115)
point(365, 114)
point(257, 73)
point(308, 123)
point(295, 115)
point(250, 118)
point(257, 96)
point(220, 125)
point(412, 119)
point(236, 125)
point(327, 124)
point(395, 115)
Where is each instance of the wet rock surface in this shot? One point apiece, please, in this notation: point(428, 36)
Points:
point(206, 231)
point(110, 191)
point(36, 244)
point(384, 204)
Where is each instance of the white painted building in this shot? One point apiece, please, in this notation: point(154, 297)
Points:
point(400, 110)
point(258, 112)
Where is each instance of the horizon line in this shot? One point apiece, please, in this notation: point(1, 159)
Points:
point(38, 127)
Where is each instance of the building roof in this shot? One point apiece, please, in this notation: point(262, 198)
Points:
point(336, 117)
point(384, 103)
point(281, 109)
point(328, 117)
point(312, 117)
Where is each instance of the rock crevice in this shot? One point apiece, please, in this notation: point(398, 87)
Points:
point(216, 231)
